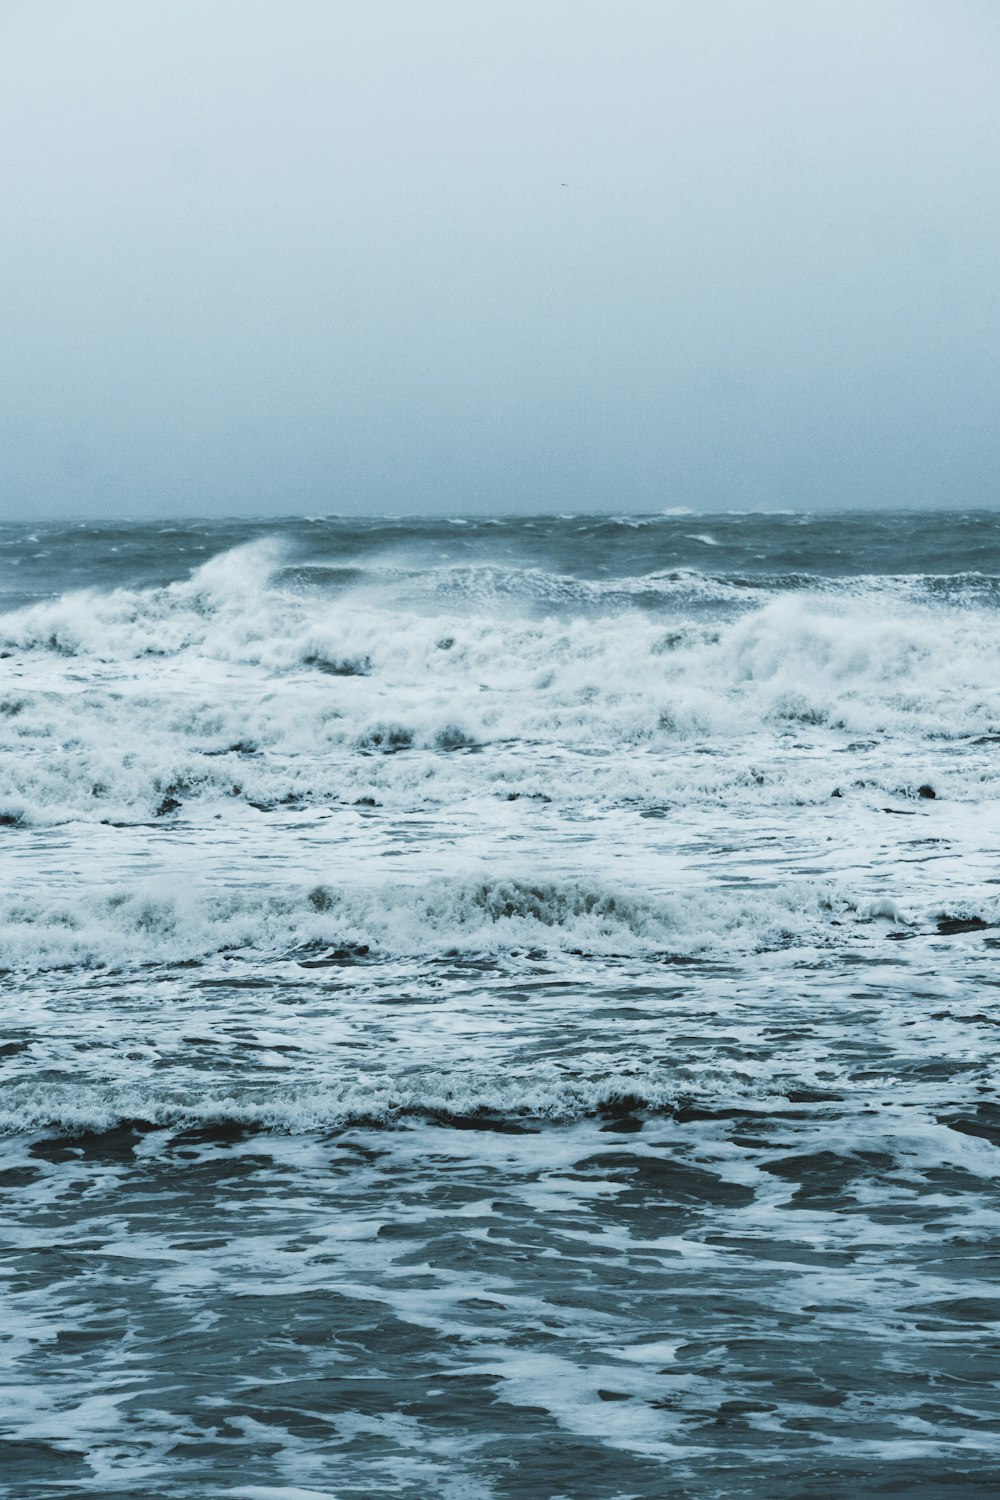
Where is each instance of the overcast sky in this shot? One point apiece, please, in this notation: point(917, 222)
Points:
point(497, 255)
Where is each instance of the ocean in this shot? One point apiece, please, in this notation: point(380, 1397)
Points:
point(500, 1009)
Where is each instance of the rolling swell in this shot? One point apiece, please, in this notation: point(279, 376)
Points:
point(487, 1102)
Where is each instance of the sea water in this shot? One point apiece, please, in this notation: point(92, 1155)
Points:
point(500, 1009)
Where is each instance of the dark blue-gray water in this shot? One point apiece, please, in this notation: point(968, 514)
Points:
point(500, 1009)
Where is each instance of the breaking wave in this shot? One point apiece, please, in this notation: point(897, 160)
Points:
point(324, 926)
point(232, 684)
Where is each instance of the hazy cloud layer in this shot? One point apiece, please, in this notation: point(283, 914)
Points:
point(387, 255)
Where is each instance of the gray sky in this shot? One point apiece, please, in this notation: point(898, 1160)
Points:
point(497, 255)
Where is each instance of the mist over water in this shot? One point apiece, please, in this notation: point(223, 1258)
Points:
point(500, 1008)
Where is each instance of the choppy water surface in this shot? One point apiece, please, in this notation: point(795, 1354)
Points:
point(500, 1010)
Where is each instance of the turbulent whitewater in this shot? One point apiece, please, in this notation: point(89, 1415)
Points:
point(500, 1009)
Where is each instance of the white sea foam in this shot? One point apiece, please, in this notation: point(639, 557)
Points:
point(151, 694)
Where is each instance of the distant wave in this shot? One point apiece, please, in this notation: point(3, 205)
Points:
point(254, 604)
